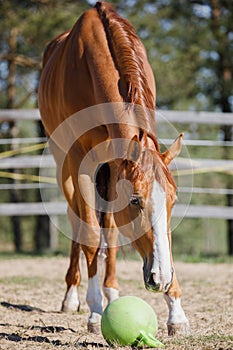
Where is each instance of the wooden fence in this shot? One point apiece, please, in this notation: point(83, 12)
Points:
point(59, 208)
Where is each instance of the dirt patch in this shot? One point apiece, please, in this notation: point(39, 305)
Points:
point(31, 291)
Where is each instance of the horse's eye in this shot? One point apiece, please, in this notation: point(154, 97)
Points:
point(136, 200)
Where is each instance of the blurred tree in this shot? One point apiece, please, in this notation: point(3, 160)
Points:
point(187, 47)
point(222, 28)
point(24, 34)
point(13, 132)
point(190, 47)
point(189, 44)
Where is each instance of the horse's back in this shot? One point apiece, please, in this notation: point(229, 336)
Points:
point(78, 72)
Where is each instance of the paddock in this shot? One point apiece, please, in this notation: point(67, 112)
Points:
point(31, 290)
point(202, 182)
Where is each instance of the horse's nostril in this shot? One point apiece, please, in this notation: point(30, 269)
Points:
point(151, 284)
point(152, 280)
point(155, 285)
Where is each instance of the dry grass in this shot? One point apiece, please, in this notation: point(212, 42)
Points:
point(31, 291)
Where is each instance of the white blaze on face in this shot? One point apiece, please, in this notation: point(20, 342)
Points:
point(161, 268)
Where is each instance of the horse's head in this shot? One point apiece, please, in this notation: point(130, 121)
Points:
point(150, 193)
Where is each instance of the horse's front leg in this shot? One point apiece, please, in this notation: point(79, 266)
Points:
point(90, 242)
point(177, 321)
point(71, 300)
point(94, 297)
point(110, 286)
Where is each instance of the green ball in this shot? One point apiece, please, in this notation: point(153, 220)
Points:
point(130, 321)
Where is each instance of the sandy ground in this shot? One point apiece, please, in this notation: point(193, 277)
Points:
point(31, 291)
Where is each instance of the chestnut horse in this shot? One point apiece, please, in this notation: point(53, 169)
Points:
point(97, 101)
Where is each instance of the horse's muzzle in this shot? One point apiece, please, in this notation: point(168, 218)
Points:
point(153, 285)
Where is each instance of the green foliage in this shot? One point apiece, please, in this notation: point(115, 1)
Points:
point(37, 21)
point(190, 48)
point(190, 51)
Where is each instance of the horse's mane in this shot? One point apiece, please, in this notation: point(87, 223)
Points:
point(126, 50)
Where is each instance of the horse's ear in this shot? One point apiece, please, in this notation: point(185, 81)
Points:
point(134, 150)
point(173, 150)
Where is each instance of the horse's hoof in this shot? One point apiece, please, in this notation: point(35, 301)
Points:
point(71, 302)
point(94, 328)
point(93, 325)
point(179, 328)
point(69, 309)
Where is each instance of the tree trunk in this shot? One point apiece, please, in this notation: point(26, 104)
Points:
point(229, 197)
point(13, 132)
point(225, 79)
point(42, 235)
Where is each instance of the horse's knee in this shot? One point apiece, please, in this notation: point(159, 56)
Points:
point(91, 255)
point(73, 277)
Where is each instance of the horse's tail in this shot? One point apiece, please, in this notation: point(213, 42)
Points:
point(126, 51)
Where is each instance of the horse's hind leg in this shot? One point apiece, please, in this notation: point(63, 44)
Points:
point(90, 242)
point(73, 277)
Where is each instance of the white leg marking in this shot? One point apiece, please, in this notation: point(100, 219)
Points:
point(111, 294)
point(71, 300)
point(176, 312)
point(162, 262)
point(94, 300)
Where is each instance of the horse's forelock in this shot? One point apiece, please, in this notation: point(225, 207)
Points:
point(150, 163)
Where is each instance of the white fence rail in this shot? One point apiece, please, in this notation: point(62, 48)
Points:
point(59, 208)
point(184, 117)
